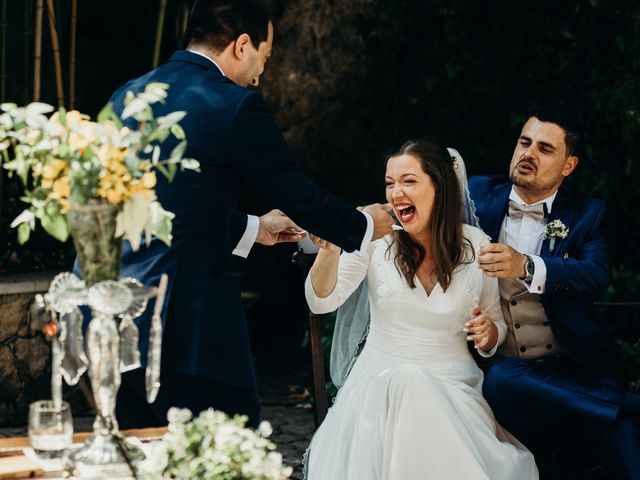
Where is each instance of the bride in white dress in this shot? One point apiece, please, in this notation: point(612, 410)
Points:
point(412, 405)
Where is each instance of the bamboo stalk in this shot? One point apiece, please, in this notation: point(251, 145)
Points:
point(37, 56)
point(72, 54)
point(181, 23)
point(159, 29)
point(3, 53)
point(28, 9)
point(55, 46)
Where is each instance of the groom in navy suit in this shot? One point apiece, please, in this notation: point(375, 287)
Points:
point(206, 358)
point(556, 374)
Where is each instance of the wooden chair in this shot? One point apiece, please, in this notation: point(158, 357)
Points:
point(320, 401)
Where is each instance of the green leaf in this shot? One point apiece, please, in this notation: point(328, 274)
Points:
point(171, 119)
point(56, 226)
point(162, 170)
point(23, 233)
point(134, 108)
point(105, 113)
point(173, 168)
point(178, 151)
point(62, 112)
point(178, 132)
point(190, 164)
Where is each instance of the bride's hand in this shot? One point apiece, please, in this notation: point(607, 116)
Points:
point(324, 244)
point(481, 330)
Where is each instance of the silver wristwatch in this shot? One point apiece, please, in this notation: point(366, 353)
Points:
point(529, 268)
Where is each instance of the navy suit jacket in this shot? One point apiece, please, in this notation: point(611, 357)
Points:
point(577, 269)
point(231, 133)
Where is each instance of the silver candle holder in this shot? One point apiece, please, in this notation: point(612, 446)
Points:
point(111, 348)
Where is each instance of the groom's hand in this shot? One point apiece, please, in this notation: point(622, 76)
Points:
point(276, 227)
point(501, 261)
point(382, 221)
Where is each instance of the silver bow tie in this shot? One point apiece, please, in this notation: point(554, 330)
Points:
point(537, 211)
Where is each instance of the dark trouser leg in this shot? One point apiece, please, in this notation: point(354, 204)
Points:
point(620, 450)
point(182, 391)
point(547, 403)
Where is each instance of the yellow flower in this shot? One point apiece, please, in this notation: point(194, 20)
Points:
point(110, 154)
point(52, 170)
point(61, 189)
point(149, 180)
point(82, 135)
point(74, 117)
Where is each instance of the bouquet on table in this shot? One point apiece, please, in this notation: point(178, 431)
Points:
point(213, 446)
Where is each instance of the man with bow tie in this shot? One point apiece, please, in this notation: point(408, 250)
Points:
point(556, 376)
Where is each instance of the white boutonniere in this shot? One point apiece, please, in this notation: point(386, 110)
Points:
point(553, 230)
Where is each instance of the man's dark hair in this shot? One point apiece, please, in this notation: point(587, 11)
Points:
point(561, 117)
point(217, 23)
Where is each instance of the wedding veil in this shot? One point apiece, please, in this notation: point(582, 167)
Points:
point(353, 317)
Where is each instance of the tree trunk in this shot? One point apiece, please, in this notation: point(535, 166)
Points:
point(28, 11)
point(72, 54)
point(55, 47)
point(3, 53)
point(159, 29)
point(37, 56)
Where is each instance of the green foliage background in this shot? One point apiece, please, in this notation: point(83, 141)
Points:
point(465, 72)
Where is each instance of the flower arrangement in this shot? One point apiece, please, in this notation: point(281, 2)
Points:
point(67, 160)
point(213, 446)
point(553, 230)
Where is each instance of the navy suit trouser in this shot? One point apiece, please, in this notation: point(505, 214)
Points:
point(551, 403)
point(183, 391)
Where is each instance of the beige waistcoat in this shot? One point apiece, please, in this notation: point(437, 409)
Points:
point(529, 334)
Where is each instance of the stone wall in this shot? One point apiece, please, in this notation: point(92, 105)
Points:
point(25, 367)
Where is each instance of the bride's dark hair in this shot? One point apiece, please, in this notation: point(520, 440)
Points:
point(450, 248)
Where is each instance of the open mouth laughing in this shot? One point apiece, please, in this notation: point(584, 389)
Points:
point(406, 212)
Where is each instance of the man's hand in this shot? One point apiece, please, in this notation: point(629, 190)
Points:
point(481, 330)
point(502, 261)
point(382, 221)
point(276, 227)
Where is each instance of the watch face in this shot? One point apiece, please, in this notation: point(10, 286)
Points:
point(530, 267)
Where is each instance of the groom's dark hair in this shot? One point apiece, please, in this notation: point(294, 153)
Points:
point(217, 23)
point(561, 117)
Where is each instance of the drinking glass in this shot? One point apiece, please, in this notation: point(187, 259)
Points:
point(50, 428)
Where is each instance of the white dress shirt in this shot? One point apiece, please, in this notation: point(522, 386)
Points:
point(243, 248)
point(525, 235)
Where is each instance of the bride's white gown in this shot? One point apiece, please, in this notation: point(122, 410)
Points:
point(412, 406)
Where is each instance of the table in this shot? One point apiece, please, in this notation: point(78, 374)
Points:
point(14, 465)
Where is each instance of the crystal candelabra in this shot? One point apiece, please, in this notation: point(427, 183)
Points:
point(111, 348)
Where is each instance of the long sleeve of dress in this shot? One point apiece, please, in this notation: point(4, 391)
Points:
point(489, 301)
point(490, 304)
point(352, 269)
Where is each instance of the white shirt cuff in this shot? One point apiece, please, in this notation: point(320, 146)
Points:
point(539, 276)
point(368, 235)
point(248, 237)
